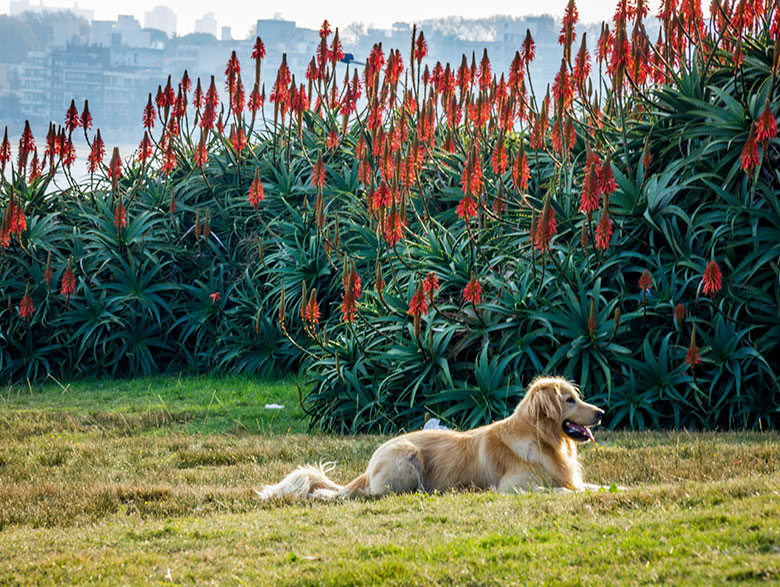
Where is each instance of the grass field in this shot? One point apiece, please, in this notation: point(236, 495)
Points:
point(152, 481)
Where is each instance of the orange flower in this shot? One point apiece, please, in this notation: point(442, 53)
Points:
point(72, 120)
point(750, 152)
point(149, 114)
point(679, 314)
point(467, 208)
point(766, 126)
point(256, 192)
point(215, 297)
point(419, 305)
point(26, 308)
point(712, 279)
point(120, 216)
point(603, 231)
point(546, 227)
point(430, 285)
point(645, 282)
point(692, 357)
point(472, 293)
point(318, 173)
point(352, 290)
point(68, 280)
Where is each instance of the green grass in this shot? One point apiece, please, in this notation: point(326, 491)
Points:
point(152, 481)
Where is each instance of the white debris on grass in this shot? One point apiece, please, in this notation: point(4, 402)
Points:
point(434, 424)
point(274, 407)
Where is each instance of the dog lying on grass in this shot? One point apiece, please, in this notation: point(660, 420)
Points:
point(534, 447)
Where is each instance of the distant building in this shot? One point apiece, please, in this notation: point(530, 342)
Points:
point(283, 36)
point(19, 6)
point(34, 85)
point(76, 73)
point(206, 24)
point(125, 31)
point(161, 18)
point(226, 34)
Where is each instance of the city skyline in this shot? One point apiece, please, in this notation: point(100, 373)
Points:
point(310, 14)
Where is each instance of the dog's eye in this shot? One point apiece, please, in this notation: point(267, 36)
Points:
point(569, 400)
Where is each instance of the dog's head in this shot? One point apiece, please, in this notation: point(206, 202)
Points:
point(556, 404)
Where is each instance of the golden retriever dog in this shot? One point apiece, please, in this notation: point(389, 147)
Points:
point(535, 447)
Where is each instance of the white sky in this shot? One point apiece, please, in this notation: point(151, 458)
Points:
point(240, 16)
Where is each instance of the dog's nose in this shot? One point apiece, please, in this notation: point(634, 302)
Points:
point(599, 414)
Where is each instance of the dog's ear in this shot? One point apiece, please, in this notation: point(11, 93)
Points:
point(545, 400)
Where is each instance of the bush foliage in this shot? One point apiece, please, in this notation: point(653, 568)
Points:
point(425, 238)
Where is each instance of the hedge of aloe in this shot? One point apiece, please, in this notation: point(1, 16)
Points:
point(425, 238)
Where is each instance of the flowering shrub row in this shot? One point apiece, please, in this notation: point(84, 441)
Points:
point(424, 237)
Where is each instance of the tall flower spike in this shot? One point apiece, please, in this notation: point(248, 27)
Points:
point(766, 125)
point(472, 293)
point(645, 283)
point(692, 357)
point(256, 191)
point(712, 279)
point(68, 280)
point(749, 155)
point(115, 168)
point(318, 173)
point(26, 307)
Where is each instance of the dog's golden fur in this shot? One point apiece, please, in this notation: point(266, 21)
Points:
point(529, 449)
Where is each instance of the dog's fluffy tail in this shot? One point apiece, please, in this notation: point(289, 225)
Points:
point(308, 481)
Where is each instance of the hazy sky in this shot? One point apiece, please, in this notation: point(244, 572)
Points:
point(310, 14)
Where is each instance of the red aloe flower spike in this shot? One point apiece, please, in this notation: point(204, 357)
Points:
point(115, 168)
point(567, 34)
point(645, 283)
point(604, 228)
point(529, 49)
point(419, 304)
point(582, 66)
point(313, 309)
point(749, 155)
point(120, 215)
point(96, 154)
point(86, 117)
point(5, 151)
point(393, 228)
point(472, 293)
point(169, 159)
point(352, 290)
point(430, 285)
point(185, 84)
point(766, 125)
point(26, 147)
point(712, 279)
point(256, 191)
point(145, 148)
point(318, 173)
point(68, 280)
point(26, 307)
point(547, 226)
point(679, 314)
point(606, 178)
point(467, 208)
point(592, 318)
point(149, 114)
point(201, 154)
point(72, 120)
point(692, 357)
point(589, 198)
point(421, 50)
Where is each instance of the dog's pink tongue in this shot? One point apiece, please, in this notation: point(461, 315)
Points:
point(584, 430)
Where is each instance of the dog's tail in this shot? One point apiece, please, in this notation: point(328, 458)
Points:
point(308, 481)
